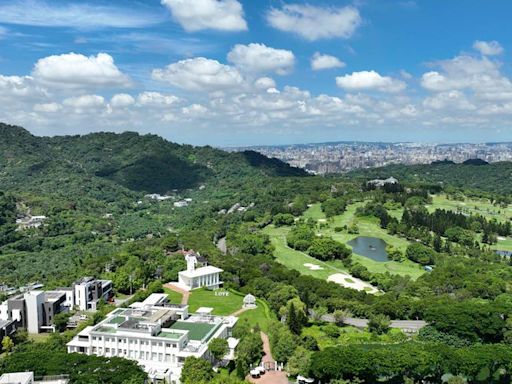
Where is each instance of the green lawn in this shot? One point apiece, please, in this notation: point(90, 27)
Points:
point(476, 207)
point(222, 305)
point(314, 212)
point(262, 316)
point(471, 206)
point(174, 297)
point(368, 226)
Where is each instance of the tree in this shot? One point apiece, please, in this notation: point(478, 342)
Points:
point(292, 320)
point(60, 321)
point(7, 344)
point(248, 352)
point(340, 316)
point(328, 249)
point(283, 219)
point(196, 371)
point(319, 312)
point(379, 324)
point(420, 253)
point(218, 348)
point(299, 361)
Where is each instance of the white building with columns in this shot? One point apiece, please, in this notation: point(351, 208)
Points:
point(193, 277)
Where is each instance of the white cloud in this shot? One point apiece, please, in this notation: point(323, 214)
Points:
point(85, 103)
point(195, 110)
point(449, 100)
point(479, 75)
point(122, 100)
point(76, 70)
point(21, 87)
point(156, 99)
point(260, 58)
point(488, 48)
point(320, 62)
point(3, 32)
point(264, 83)
point(314, 23)
point(77, 15)
point(196, 15)
point(369, 80)
point(48, 107)
point(199, 74)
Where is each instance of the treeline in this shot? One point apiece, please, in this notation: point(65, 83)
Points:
point(413, 363)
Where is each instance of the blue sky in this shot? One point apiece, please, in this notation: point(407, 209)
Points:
point(242, 72)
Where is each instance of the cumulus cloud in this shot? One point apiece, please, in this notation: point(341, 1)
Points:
point(314, 23)
point(488, 48)
point(369, 80)
point(196, 15)
point(122, 100)
point(76, 70)
point(85, 103)
point(264, 83)
point(74, 15)
point(320, 62)
point(157, 99)
point(260, 58)
point(20, 86)
point(451, 99)
point(199, 74)
point(48, 107)
point(479, 75)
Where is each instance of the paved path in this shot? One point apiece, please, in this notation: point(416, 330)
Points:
point(185, 294)
point(408, 326)
point(240, 311)
point(271, 377)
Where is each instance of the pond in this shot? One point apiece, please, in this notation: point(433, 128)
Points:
point(371, 247)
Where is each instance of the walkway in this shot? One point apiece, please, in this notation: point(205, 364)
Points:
point(185, 294)
point(240, 311)
point(271, 377)
point(407, 326)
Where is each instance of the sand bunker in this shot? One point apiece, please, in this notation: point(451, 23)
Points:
point(313, 267)
point(349, 281)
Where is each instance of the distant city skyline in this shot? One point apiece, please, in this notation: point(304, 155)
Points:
point(241, 72)
point(338, 157)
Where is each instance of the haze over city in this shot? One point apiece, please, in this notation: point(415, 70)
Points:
point(232, 73)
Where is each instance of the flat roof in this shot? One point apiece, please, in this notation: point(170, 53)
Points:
point(18, 377)
point(197, 331)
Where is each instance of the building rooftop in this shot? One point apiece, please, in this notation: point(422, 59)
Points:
point(17, 378)
point(201, 271)
point(196, 331)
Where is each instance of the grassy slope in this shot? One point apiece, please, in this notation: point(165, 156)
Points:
point(367, 227)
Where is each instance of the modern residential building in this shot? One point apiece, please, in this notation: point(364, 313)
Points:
point(155, 333)
point(205, 276)
point(35, 310)
point(89, 291)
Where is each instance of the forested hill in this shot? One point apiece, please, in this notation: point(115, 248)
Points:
point(137, 163)
point(471, 175)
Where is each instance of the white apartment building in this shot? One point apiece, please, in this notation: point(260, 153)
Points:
point(156, 334)
point(206, 276)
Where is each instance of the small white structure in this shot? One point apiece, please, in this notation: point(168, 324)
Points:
point(249, 302)
point(17, 378)
point(181, 204)
point(206, 276)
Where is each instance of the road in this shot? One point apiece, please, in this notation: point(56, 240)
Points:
point(408, 326)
